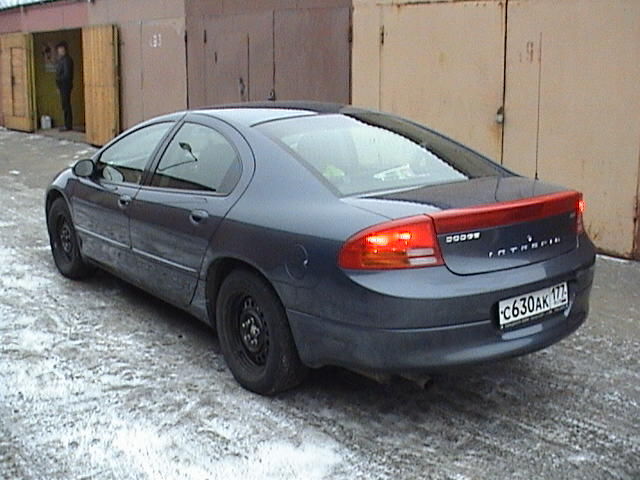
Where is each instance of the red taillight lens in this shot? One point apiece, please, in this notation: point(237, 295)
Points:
point(405, 243)
point(579, 213)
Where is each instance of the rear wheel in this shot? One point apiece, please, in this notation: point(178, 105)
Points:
point(255, 337)
point(64, 242)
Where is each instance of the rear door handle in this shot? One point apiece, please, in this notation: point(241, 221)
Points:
point(124, 201)
point(198, 216)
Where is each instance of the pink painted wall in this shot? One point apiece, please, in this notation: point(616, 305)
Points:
point(39, 18)
point(54, 16)
point(10, 21)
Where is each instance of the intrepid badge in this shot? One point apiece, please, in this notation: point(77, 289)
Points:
point(528, 246)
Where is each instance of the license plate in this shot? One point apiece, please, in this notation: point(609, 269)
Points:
point(530, 306)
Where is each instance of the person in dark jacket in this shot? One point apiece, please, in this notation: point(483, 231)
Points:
point(64, 81)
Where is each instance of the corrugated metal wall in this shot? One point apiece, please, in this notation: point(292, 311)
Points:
point(566, 71)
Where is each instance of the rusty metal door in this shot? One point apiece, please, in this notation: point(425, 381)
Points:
point(281, 54)
point(101, 83)
point(439, 63)
point(16, 54)
point(227, 74)
point(238, 57)
point(163, 67)
point(312, 54)
point(571, 106)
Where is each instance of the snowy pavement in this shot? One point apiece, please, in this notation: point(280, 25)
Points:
point(99, 380)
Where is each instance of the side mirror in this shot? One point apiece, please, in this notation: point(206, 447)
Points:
point(84, 168)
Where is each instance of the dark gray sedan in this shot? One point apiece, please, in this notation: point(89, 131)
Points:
point(319, 234)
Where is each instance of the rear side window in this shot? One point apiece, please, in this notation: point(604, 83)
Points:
point(125, 160)
point(359, 155)
point(199, 158)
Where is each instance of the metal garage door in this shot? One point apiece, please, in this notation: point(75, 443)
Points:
point(439, 63)
point(286, 54)
point(572, 103)
point(312, 54)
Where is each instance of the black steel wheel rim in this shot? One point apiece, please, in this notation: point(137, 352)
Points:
point(65, 237)
point(250, 332)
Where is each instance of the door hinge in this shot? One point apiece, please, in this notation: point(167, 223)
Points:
point(185, 36)
point(381, 34)
point(204, 36)
point(350, 34)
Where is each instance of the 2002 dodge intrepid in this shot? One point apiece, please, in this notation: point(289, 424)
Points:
point(313, 234)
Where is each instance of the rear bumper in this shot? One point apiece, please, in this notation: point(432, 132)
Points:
point(404, 350)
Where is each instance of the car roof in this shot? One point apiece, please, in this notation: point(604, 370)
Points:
point(252, 113)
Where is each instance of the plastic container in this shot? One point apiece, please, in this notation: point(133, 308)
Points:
point(45, 122)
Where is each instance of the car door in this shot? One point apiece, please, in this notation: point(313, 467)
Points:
point(100, 203)
point(175, 214)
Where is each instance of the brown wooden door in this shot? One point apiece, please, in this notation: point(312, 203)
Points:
point(101, 83)
point(16, 55)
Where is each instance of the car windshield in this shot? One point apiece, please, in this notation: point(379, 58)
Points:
point(367, 152)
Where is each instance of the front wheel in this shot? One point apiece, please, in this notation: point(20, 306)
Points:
point(255, 337)
point(64, 242)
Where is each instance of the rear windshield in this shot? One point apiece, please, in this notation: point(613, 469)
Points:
point(360, 153)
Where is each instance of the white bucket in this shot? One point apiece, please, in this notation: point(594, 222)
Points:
point(45, 122)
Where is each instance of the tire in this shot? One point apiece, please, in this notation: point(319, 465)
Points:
point(255, 337)
point(64, 242)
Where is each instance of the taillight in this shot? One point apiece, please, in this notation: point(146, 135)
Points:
point(404, 243)
point(579, 214)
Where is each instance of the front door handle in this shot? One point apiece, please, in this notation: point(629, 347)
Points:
point(198, 216)
point(124, 201)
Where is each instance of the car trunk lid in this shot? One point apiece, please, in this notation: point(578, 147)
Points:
point(496, 223)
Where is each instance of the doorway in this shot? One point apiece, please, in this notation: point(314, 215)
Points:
point(46, 93)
